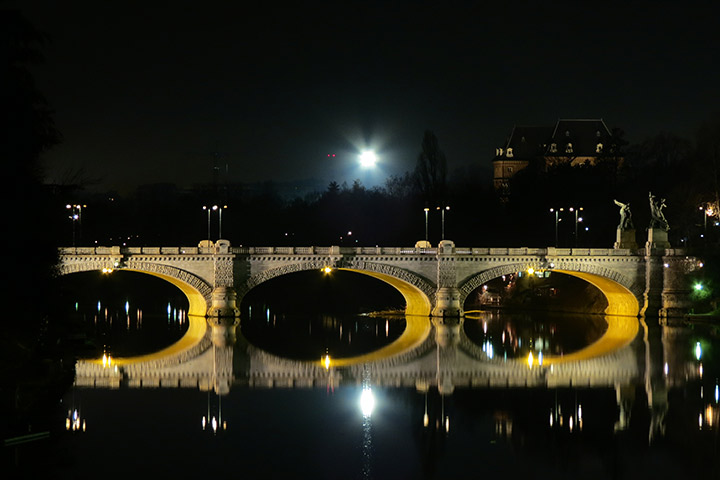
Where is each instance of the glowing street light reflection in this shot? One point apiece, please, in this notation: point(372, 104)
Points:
point(367, 402)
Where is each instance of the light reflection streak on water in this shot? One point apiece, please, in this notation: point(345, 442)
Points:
point(367, 403)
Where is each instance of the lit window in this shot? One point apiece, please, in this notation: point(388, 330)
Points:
point(568, 148)
point(509, 152)
point(599, 148)
point(553, 148)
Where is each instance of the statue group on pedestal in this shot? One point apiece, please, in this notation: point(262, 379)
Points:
point(657, 218)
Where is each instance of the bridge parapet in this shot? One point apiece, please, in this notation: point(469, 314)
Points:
point(444, 275)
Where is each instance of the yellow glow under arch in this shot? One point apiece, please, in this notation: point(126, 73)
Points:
point(620, 300)
point(417, 322)
point(621, 316)
point(416, 302)
point(417, 329)
point(197, 324)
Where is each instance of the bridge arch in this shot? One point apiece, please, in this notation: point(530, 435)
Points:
point(418, 292)
point(197, 291)
point(617, 288)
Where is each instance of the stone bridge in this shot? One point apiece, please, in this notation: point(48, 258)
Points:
point(434, 281)
point(432, 350)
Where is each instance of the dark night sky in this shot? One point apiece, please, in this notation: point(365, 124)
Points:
point(147, 91)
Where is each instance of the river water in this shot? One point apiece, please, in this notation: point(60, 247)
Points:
point(658, 421)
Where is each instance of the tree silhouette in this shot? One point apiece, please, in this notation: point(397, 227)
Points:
point(431, 171)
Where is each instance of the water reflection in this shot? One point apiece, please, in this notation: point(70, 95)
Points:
point(313, 336)
point(536, 335)
point(438, 410)
point(121, 314)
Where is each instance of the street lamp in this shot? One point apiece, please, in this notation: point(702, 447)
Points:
point(75, 217)
point(427, 210)
point(442, 214)
point(209, 209)
point(220, 210)
point(708, 211)
point(577, 210)
point(557, 219)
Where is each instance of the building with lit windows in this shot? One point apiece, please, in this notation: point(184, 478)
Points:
point(573, 141)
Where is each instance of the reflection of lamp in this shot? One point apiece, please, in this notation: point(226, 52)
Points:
point(367, 402)
point(426, 419)
point(214, 421)
point(73, 421)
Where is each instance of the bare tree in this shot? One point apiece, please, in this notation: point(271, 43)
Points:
point(431, 171)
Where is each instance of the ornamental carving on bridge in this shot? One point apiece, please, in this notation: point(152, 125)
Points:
point(481, 278)
point(173, 272)
point(223, 271)
point(413, 279)
point(446, 273)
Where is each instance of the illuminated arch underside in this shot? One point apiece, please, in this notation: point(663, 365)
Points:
point(620, 300)
point(416, 302)
point(620, 315)
point(417, 327)
point(197, 324)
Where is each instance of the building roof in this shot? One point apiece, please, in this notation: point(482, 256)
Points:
point(528, 141)
point(532, 141)
point(585, 135)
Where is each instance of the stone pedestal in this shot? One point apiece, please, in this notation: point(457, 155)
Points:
point(626, 239)
point(223, 303)
point(657, 240)
point(447, 332)
point(447, 303)
point(223, 330)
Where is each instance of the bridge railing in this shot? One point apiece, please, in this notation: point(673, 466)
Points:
point(117, 250)
point(377, 250)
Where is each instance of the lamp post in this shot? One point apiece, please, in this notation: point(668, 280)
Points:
point(75, 217)
point(577, 219)
point(708, 211)
point(220, 210)
point(557, 220)
point(427, 210)
point(442, 216)
point(209, 209)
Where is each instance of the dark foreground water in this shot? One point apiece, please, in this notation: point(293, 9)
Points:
point(312, 433)
point(667, 431)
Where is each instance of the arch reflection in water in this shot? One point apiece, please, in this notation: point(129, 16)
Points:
point(449, 393)
point(539, 335)
point(446, 357)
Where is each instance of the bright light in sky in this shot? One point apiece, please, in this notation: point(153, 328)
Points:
point(368, 159)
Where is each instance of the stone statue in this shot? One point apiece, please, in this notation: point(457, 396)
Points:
point(626, 222)
point(657, 218)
